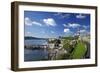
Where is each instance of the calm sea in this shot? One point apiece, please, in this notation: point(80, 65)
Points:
point(37, 54)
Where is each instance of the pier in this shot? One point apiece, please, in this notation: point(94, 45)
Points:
point(36, 47)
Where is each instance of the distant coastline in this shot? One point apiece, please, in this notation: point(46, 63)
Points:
point(30, 38)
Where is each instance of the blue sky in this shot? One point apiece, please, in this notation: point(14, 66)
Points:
point(55, 24)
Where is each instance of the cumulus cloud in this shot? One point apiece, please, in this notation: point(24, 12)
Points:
point(36, 23)
point(65, 15)
point(29, 22)
point(82, 31)
point(65, 25)
point(84, 26)
point(73, 25)
point(67, 30)
point(80, 16)
point(62, 15)
point(49, 22)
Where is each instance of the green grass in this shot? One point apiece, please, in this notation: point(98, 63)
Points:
point(68, 38)
point(79, 51)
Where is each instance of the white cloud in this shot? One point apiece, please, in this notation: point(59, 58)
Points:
point(84, 26)
point(65, 25)
point(36, 23)
point(29, 22)
point(56, 14)
point(49, 22)
point(65, 16)
point(28, 32)
point(67, 30)
point(82, 31)
point(62, 15)
point(73, 25)
point(80, 16)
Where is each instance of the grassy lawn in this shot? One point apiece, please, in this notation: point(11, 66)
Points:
point(79, 51)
